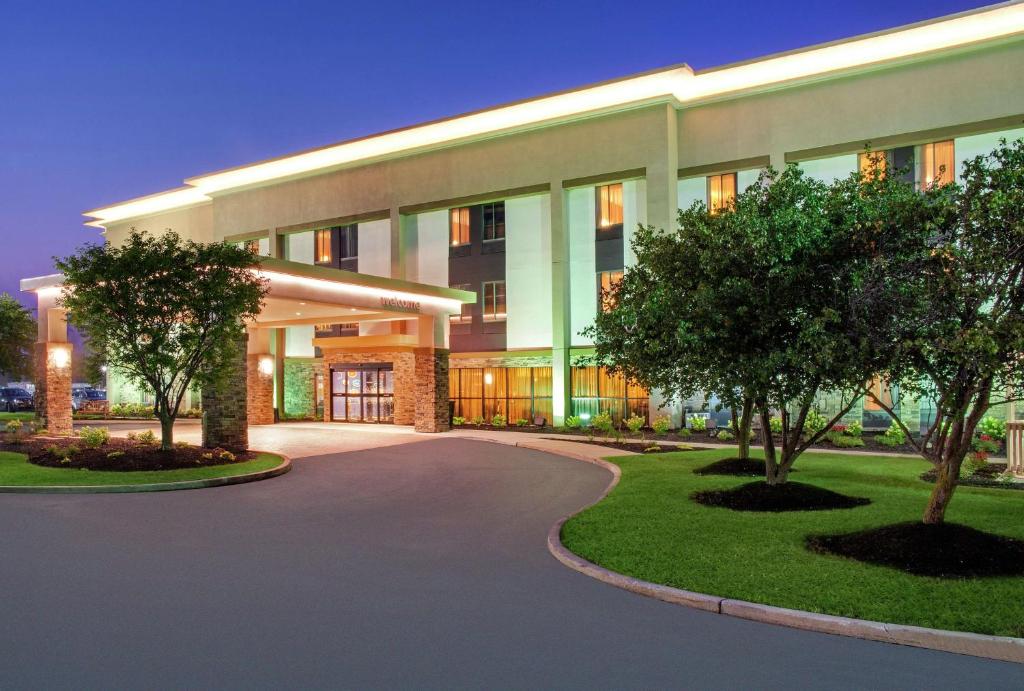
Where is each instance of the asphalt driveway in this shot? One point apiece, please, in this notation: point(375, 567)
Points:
point(413, 565)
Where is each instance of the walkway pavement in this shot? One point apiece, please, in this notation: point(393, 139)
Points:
point(412, 565)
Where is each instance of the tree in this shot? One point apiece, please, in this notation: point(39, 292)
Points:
point(163, 311)
point(944, 304)
point(17, 336)
point(750, 303)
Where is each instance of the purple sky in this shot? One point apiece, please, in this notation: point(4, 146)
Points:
point(100, 102)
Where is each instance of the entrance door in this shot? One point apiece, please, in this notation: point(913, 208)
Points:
point(362, 393)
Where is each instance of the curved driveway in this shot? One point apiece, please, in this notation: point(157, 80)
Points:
point(417, 565)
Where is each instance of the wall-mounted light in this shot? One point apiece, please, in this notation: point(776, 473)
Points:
point(488, 379)
point(60, 357)
point(266, 366)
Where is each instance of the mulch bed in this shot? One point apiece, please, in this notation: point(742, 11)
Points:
point(943, 551)
point(128, 455)
point(739, 467)
point(790, 496)
point(983, 477)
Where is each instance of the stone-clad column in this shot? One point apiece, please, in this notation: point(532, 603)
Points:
point(53, 386)
point(225, 419)
point(432, 390)
point(259, 376)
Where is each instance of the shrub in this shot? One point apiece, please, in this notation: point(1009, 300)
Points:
point(698, 424)
point(973, 464)
point(478, 420)
point(458, 421)
point(661, 425)
point(94, 437)
point(522, 422)
point(725, 435)
point(115, 454)
point(226, 456)
point(573, 422)
point(14, 426)
point(842, 440)
point(893, 436)
point(603, 423)
point(854, 429)
point(62, 453)
point(984, 444)
point(775, 424)
point(147, 437)
point(499, 420)
point(634, 423)
point(207, 456)
point(993, 427)
point(814, 423)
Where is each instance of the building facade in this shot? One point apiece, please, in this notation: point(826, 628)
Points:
point(530, 207)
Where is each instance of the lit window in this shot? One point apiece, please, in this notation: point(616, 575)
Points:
point(494, 221)
point(606, 283)
point(882, 391)
point(460, 226)
point(609, 206)
point(937, 164)
point(871, 163)
point(466, 315)
point(320, 328)
point(323, 246)
point(721, 191)
point(348, 242)
point(494, 300)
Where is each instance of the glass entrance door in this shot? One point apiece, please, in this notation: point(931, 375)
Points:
point(363, 393)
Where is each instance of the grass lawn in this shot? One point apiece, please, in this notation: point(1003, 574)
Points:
point(4, 417)
point(649, 528)
point(16, 470)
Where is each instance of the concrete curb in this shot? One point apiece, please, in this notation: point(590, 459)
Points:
point(1005, 648)
point(280, 469)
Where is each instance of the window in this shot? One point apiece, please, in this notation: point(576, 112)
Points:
point(348, 245)
point(882, 391)
point(494, 300)
point(595, 390)
point(871, 162)
point(937, 167)
point(494, 221)
point(515, 392)
point(320, 328)
point(606, 281)
point(460, 226)
point(721, 191)
point(609, 206)
point(322, 246)
point(466, 315)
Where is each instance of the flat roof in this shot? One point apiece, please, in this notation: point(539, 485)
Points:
point(677, 84)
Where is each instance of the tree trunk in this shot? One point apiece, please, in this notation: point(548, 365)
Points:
point(166, 433)
point(945, 484)
point(743, 428)
point(771, 468)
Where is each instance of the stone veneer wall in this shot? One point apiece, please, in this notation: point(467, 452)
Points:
point(432, 391)
point(500, 360)
point(225, 419)
point(259, 391)
point(403, 364)
point(300, 387)
point(53, 389)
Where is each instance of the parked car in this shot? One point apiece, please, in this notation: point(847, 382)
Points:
point(80, 397)
point(15, 400)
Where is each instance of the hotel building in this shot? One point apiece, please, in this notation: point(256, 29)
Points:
point(460, 259)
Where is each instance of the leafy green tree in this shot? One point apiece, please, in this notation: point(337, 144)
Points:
point(750, 303)
point(944, 304)
point(163, 311)
point(17, 336)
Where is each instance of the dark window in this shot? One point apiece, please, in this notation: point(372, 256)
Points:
point(494, 221)
point(494, 300)
point(466, 315)
point(348, 245)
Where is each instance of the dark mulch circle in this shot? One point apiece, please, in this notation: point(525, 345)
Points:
point(791, 496)
point(122, 455)
point(943, 551)
point(741, 467)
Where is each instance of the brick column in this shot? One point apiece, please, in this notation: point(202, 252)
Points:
point(53, 386)
point(259, 388)
point(225, 422)
point(431, 367)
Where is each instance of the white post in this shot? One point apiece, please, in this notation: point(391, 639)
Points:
point(1015, 447)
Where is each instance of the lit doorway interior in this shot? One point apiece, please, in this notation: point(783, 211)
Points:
point(363, 393)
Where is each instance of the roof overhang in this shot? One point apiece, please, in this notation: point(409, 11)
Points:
point(678, 85)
